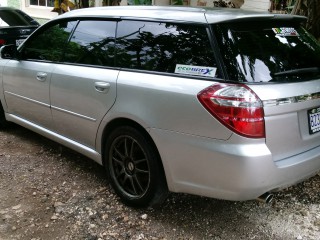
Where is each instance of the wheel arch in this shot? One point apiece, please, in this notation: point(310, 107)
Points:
point(118, 122)
point(158, 190)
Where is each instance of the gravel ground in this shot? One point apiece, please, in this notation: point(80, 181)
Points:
point(50, 192)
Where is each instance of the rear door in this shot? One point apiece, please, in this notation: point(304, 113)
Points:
point(83, 88)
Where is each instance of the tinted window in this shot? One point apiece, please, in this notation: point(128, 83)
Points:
point(10, 17)
point(92, 43)
point(268, 51)
point(162, 46)
point(48, 45)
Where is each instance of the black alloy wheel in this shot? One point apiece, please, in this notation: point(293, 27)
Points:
point(130, 166)
point(134, 168)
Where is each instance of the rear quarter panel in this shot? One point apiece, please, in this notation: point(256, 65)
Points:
point(164, 102)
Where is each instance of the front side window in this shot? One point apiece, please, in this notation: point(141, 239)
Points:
point(92, 43)
point(268, 51)
point(165, 47)
point(48, 45)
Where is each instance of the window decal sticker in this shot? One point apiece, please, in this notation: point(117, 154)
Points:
point(285, 31)
point(196, 70)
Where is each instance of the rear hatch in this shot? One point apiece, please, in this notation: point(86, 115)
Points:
point(15, 26)
point(15, 35)
point(280, 62)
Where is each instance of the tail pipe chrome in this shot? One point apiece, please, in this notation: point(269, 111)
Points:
point(265, 198)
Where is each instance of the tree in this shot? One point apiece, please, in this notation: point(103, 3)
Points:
point(311, 9)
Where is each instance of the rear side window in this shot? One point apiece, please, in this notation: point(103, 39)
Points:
point(165, 47)
point(92, 43)
point(268, 51)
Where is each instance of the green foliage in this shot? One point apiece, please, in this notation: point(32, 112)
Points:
point(139, 2)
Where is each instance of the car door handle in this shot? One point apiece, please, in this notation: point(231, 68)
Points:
point(102, 87)
point(41, 76)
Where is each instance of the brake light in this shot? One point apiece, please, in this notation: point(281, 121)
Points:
point(2, 42)
point(237, 107)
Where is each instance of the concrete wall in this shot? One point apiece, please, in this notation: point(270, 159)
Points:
point(257, 5)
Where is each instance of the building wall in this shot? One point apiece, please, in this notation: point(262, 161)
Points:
point(257, 5)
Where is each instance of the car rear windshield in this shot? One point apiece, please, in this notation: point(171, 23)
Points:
point(15, 18)
point(268, 51)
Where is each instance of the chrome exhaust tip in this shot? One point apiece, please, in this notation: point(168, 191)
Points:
point(265, 198)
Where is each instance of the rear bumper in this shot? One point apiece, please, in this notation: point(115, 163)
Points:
point(226, 169)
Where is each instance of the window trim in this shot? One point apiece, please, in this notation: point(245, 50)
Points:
point(206, 27)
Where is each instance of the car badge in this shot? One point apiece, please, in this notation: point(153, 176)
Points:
point(23, 31)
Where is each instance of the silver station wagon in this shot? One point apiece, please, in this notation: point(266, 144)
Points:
point(214, 102)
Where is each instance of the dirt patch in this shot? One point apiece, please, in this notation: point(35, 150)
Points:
point(50, 192)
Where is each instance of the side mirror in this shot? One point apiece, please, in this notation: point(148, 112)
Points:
point(9, 52)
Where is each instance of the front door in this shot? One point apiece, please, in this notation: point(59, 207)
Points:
point(26, 89)
point(27, 79)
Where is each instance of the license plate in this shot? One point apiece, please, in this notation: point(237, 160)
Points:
point(19, 41)
point(314, 120)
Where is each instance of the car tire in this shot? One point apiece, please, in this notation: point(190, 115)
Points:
point(134, 168)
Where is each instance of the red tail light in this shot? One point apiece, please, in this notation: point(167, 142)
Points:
point(2, 42)
point(235, 106)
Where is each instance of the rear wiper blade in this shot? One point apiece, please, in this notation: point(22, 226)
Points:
point(297, 71)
